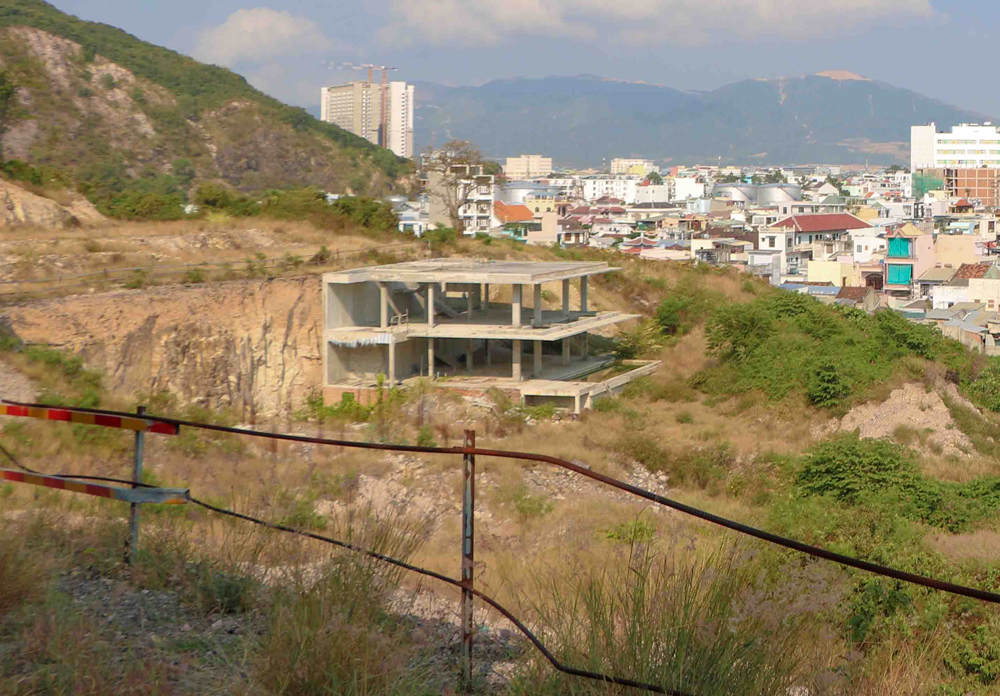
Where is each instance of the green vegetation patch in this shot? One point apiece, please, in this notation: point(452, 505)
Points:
point(784, 343)
point(878, 472)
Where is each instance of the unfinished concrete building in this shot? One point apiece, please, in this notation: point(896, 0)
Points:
point(469, 321)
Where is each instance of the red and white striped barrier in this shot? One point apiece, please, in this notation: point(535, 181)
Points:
point(165, 496)
point(59, 414)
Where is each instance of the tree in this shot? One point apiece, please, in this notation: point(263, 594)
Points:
point(7, 94)
point(774, 176)
point(454, 175)
point(654, 178)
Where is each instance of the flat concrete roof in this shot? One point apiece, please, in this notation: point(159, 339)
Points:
point(469, 271)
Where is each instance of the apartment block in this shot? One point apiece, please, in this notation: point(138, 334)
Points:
point(399, 119)
point(527, 167)
point(357, 107)
point(966, 146)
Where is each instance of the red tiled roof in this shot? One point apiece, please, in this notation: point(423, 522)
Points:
point(512, 213)
point(854, 292)
point(972, 270)
point(962, 203)
point(822, 222)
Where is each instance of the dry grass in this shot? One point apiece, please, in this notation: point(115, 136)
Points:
point(981, 545)
point(959, 469)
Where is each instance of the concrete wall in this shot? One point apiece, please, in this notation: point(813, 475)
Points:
point(356, 304)
point(956, 249)
point(985, 290)
point(944, 295)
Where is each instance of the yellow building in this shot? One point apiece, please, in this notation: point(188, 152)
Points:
point(840, 274)
point(539, 205)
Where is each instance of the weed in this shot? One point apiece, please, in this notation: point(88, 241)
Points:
point(634, 532)
point(425, 438)
point(684, 417)
point(193, 275)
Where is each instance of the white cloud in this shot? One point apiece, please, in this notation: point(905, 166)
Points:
point(484, 22)
point(257, 34)
point(284, 83)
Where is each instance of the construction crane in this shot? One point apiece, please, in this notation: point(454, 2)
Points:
point(371, 67)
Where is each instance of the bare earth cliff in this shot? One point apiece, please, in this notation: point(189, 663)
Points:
point(252, 345)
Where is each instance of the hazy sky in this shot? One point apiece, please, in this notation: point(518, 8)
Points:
point(924, 45)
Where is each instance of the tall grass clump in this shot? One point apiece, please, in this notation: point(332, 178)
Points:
point(661, 618)
point(331, 630)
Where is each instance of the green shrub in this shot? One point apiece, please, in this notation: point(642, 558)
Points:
point(425, 438)
point(684, 417)
point(634, 532)
point(827, 388)
point(108, 81)
point(194, 275)
point(858, 471)
point(985, 390)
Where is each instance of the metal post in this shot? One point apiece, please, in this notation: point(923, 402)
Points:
point(140, 441)
point(468, 556)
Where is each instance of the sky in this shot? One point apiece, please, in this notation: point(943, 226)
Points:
point(290, 48)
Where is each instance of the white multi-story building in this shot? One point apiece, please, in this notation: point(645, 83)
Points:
point(967, 146)
point(641, 167)
point(622, 187)
point(357, 107)
point(399, 119)
point(527, 167)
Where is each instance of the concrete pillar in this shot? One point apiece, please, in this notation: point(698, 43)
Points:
point(392, 364)
point(565, 351)
point(565, 294)
point(383, 306)
point(576, 404)
point(489, 352)
point(430, 308)
point(538, 359)
point(585, 348)
point(516, 361)
point(468, 355)
point(470, 300)
point(484, 300)
point(516, 306)
point(537, 321)
point(430, 358)
point(583, 294)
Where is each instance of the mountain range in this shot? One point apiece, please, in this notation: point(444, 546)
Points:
point(832, 117)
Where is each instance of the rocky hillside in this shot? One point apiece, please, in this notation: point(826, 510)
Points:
point(111, 110)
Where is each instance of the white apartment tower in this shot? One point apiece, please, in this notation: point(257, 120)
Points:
point(357, 107)
point(399, 108)
point(967, 146)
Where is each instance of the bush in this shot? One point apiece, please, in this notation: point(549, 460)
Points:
point(885, 475)
point(827, 388)
point(985, 389)
point(684, 417)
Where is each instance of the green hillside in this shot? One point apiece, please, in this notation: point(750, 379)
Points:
point(99, 108)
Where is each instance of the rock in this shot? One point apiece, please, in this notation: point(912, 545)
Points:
point(21, 207)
